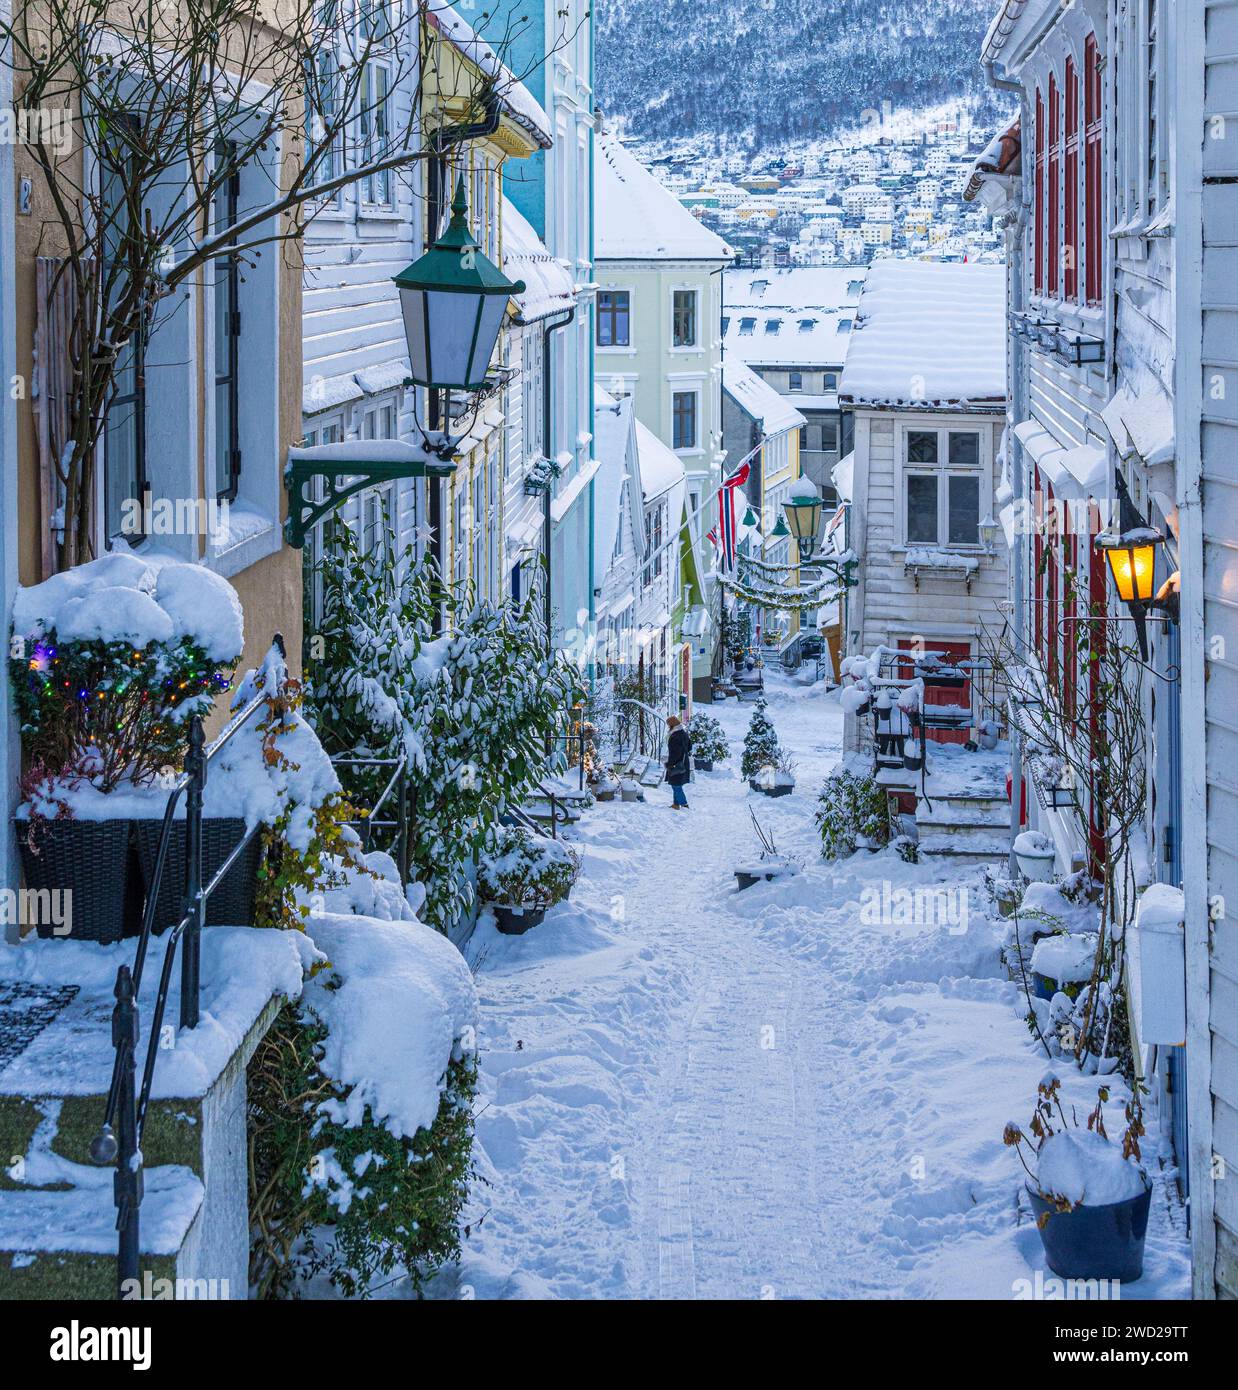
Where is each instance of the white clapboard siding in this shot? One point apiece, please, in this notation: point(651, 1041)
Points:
point(1219, 448)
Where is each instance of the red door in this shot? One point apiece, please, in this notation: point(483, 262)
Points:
point(949, 696)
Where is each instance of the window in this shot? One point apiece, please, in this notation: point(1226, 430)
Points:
point(773, 326)
point(844, 325)
point(831, 381)
point(1093, 234)
point(796, 381)
point(1071, 228)
point(378, 504)
point(227, 345)
point(943, 483)
point(322, 78)
point(747, 327)
point(374, 130)
point(683, 419)
point(653, 542)
point(1154, 151)
point(1053, 285)
point(314, 541)
point(683, 316)
point(124, 437)
point(614, 318)
point(829, 435)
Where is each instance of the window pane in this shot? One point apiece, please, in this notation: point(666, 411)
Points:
point(223, 437)
point(964, 509)
point(964, 448)
point(922, 446)
point(921, 510)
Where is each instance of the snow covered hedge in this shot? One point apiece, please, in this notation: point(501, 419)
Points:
point(708, 740)
point(852, 813)
point(361, 1097)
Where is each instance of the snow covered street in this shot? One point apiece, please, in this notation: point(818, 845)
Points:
point(689, 1092)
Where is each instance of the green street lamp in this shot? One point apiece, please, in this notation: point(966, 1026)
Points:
point(803, 511)
point(453, 300)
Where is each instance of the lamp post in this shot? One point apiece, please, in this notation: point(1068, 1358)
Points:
point(803, 513)
point(453, 300)
point(1132, 563)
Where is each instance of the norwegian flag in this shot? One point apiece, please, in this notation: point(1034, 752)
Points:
point(726, 513)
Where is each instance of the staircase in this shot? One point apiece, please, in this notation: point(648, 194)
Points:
point(965, 829)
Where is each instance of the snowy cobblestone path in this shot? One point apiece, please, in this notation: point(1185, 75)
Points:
point(692, 1093)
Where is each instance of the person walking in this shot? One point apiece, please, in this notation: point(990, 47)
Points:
point(678, 762)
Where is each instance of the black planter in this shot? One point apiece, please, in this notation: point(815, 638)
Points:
point(777, 791)
point(94, 862)
point(232, 903)
point(751, 880)
point(703, 764)
point(912, 762)
point(515, 921)
point(1095, 1242)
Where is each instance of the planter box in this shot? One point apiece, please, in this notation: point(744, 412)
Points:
point(608, 795)
point(634, 795)
point(1095, 1242)
point(91, 860)
point(775, 790)
point(703, 764)
point(232, 903)
point(515, 921)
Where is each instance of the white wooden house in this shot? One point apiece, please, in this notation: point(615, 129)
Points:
point(925, 378)
point(1131, 192)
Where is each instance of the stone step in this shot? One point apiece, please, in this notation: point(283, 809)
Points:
point(949, 820)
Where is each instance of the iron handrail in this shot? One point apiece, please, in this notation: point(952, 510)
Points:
point(397, 782)
point(119, 1139)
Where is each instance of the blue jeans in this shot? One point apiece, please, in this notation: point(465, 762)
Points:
point(680, 797)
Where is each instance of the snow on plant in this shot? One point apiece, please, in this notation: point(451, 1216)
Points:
point(472, 710)
point(108, 663)
point(760, 743)
point(708, 739)
point(520, 869)
point(1074, 1165)
point(852, 812)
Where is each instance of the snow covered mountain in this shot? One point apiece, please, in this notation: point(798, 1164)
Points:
point(766, 73)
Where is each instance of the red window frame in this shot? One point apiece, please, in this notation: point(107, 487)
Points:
point(1093, 117)
point(1038, 551)
point(1053, 587)
point(1053, 277)
point(1070, 231)
point(1038, 269)
point(1070, 645)
point(1098, 592)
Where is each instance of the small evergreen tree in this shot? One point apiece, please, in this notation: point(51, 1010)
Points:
point(760, 743)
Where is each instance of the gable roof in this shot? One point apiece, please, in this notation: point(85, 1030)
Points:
point(929, 334)
point(774, 413)
point(637, 219)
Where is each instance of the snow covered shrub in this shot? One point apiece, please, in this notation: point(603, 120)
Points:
point(473, 710)
point(736, 635)
point(109, 661)
point(520, 869)
point(760, 743)
point(852, 811)
point(708, 740)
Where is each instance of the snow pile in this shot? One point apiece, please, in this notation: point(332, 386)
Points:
point(1085, 1169)
point(121, 598)
point(1066, 958)
point(398, 1003)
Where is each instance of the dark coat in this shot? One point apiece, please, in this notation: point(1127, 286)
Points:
point(678, 758)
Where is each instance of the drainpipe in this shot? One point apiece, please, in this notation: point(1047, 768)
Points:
point(547, 523)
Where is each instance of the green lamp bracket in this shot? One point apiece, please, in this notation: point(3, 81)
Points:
point(344, 477)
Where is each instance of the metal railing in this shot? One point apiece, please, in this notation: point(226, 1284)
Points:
point(648, 725)
point(119, 1140)
point(397, 785)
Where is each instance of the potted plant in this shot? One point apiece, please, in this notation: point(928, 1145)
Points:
point(776, 779)
point(630, 790)
point(109, 662)
point(709, 743)
point(769, 866)
point(1062, 962)
point(1091, 1196)
point(1035, 854)
point(522, 875)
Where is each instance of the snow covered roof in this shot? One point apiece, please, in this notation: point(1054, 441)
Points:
point(521, 105)
point(929, 334)
point(612, 429)
point(660, 467)
point(1142, 424)
point(772, 337)
point(797, 287)
point(637, 219)
point(549, 289)
point(774, 413)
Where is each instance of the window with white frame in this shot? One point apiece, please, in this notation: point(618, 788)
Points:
point(375, 129)
point(685, 409)
point(614, 318)
point(459, 548)
point(684, 318)
point(943, 479)
point(378, 518)
point(326, 431)
point(655, 525)
point(478, 520)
